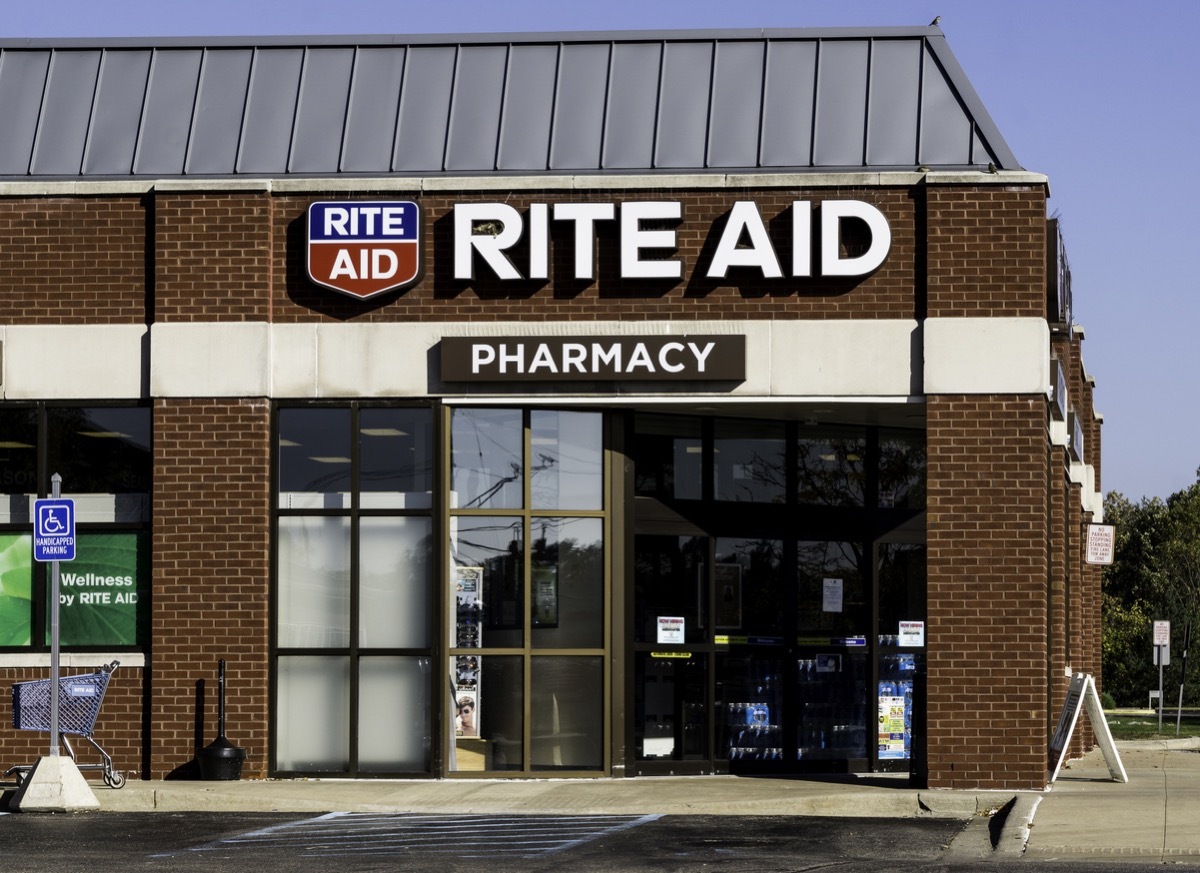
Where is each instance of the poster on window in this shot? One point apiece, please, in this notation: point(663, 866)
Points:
point(98, 591)
point(468, 598)
point(16, 589)
point(729, 596)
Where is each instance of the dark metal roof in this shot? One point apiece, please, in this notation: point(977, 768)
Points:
point(627, 102)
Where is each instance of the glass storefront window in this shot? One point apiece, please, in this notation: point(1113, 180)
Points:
point(668, 460)
point(749, 586)
point(394, 714)
point(566, 460)
point(488, 581)
point(671, 587)
point(314, 582)
point(831, 466)
point(354, 576)
point(18, 464)
point(832, 598)
point(396, 458)
point(314, 458)
point(393, 582)
point(567, 585)
point(566, 714)
point(103, 456)
point(312, 722)
point(901, 469)
point(489, 720)
point(486, 459)
point(749, 461)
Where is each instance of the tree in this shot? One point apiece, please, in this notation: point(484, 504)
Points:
point(1155, 574)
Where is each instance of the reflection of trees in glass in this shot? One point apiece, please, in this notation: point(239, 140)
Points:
point(817, 561)
point(830, 468)
point(761, 590)
point(901, 584)
point(902, 469)
point(761, 478)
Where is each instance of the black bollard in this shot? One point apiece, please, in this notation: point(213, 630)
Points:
point(221, 760)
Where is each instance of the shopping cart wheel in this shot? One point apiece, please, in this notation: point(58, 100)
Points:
point(115, 779)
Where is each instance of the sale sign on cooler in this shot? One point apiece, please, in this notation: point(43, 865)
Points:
point(364, 248)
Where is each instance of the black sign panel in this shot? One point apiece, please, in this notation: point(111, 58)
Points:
point(708, 358)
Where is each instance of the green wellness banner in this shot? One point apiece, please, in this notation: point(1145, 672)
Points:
point(16, 588)
point(98, 591)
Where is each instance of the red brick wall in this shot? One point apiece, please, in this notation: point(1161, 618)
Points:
point(210, 590)
point(213, 259)
point(987, 252)
point(987, 532)
point(73, 261)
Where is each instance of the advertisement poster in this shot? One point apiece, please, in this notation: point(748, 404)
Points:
point(670, 629)
point(891, 728)
point(16, 588)
point(545, 596)
point(98, 591)
point(468, 598)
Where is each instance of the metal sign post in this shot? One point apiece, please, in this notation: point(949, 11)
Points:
point(1162, 643)
point(54, 541)
point(1187, 638)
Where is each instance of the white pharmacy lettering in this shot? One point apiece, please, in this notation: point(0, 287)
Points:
point(589, 358)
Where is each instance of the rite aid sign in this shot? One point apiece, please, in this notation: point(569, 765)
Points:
point(364, 248)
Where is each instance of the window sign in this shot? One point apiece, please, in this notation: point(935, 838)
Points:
point(832, 599)
point(98, 592)
point(670, 629)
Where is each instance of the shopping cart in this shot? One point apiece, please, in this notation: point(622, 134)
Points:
point(79, 699)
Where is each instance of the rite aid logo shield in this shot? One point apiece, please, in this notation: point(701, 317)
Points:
point(364, 248)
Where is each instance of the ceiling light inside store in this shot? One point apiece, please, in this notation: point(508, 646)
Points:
point(382, 432)
point(104, 434)
point(328, 459)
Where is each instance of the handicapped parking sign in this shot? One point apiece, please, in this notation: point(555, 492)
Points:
point(54, 529)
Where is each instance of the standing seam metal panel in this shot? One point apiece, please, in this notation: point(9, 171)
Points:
point(577, 134)
point(528, 108)
point(22, 92)
point(789, 96)
point(478, 95)
point(270, 113)
point(425, 109)
point(117, 116)
point(373, 110)
point(946, 130)
point(66, 113)
point(316, 138)
point(841, 108)
point(635, 75)
point(220, 105)
point(171, 88)
point(895, 87)
point(683, 111)
point(737, 104)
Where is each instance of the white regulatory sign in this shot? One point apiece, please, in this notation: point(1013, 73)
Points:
point(1162, 633)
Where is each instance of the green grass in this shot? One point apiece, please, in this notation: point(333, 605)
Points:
point(1144, 726)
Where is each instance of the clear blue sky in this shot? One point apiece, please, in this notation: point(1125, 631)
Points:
point(1099, 96)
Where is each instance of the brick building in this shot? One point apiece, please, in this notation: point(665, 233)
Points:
point(584, 404)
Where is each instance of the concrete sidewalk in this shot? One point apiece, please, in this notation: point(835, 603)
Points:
point(1153, 816)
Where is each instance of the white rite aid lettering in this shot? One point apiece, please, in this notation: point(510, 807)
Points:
point(746, 222)
point(501, 226)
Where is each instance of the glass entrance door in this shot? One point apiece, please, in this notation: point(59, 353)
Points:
point(673, 689)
